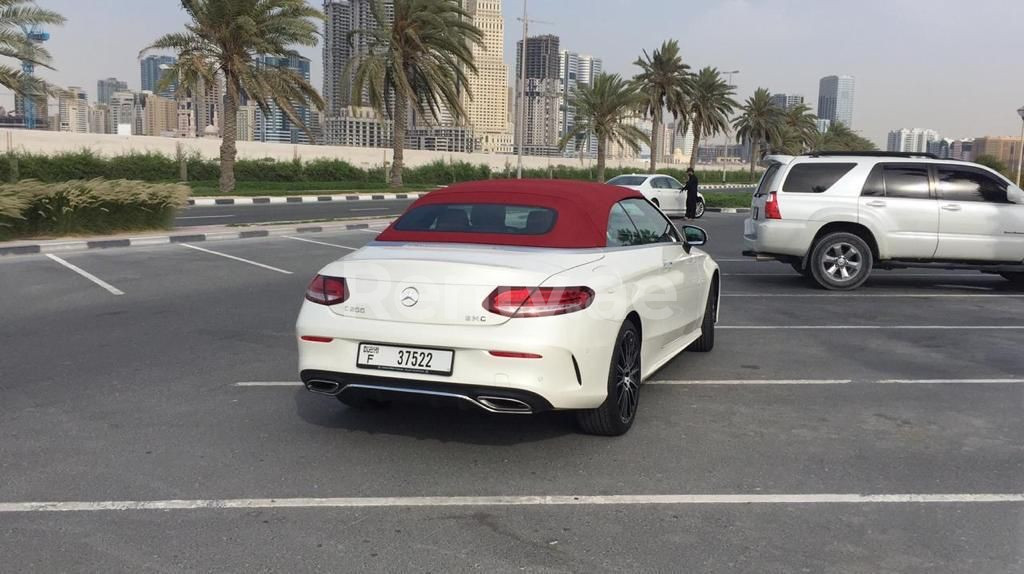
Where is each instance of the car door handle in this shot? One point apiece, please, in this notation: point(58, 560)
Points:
point(952, 207)
point(876, 203)
point(667, 264)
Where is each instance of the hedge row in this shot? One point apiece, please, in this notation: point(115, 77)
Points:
point(153, 167)
point(32, 208)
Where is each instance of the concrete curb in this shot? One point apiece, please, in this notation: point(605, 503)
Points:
point(150, 240)
point(277, 200)
point(729, 186)
point(728, 209)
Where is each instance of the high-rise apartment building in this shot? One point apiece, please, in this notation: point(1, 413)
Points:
point(159, 115)
point(787, 101)
point(99, 119)
point(123, 112)
point(962, 149)
point(486, 100)
point(73, 111)
point(153, 70)
point(542, 127)
point(574, 71)
point(835, 99)
point(275, 126)
point(1003, 148)
point(911, 140)
point(107, 87)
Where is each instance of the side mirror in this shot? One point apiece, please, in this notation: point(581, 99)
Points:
point(695, 235)
point(1015, 194)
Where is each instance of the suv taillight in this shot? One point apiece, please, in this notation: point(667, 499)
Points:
point(771, 207)
point(538, 301)
point(327, 290)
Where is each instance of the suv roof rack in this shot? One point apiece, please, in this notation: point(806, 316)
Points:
point(903, 154)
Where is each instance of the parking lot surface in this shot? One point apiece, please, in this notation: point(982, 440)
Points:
point(873, 431)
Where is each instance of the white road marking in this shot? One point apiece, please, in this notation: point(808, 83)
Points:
point(236, 258)
point(952, 382)
point(373, 209)
point(270, 384)
point(205, 216)
point(882, 295)
point(113, 290)
point(871, 327)
point(463, 501)
point(373, 231)
point(321, 243)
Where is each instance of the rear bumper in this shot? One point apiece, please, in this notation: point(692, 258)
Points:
point(572, 372)
point(776, 238)
point(491, 399)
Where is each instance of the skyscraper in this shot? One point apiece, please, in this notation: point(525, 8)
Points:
point(787, 101)
point(106, 88)
point(835, 99)
point(911, 140)
point(73, 112)
point(275, 126)
point(153, 70)
point(485, 110)
point(542, 122)
point(575, 71)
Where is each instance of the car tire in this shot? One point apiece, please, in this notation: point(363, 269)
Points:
point(616, 415)
point(1015, 278)
point(699, 212)
point(706, 342)
point(841, 261)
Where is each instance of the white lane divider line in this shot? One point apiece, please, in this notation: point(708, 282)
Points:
point(190, 246)
point(952, 382)
point(205, 216)
point(875, 327)
point(113, 290)
point(457, 501)
point(270, 384)
point(373, 209)
point(304, 240)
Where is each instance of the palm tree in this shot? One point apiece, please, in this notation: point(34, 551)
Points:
point(841, 138)
point(665, 82)
point(602, 109)
point(417, 60)
point(17, 16)
point(761, 123)
point(246, 44)
point(801, 129)
point(711, 104)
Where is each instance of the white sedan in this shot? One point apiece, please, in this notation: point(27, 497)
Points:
point(663, 191)
point(516, 297)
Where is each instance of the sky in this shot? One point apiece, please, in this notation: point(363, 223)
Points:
point(949, 65)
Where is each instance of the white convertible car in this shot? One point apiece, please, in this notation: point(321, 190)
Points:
point(516, 297)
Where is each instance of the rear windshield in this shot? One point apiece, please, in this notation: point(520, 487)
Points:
point(479, 218)
point(815, 177)
point(766, 180)
point(627, 180)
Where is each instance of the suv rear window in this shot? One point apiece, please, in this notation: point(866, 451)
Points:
point(815, 177)
point(766, 179)
point(479, 218)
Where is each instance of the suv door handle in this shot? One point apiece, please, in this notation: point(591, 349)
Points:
point(876, 203)
point(952, 207)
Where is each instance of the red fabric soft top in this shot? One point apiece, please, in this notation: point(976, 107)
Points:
point(582, 209)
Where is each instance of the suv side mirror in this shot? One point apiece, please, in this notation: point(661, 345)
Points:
point(1015, 194)
point(695, 235)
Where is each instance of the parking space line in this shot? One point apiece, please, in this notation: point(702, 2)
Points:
point(528, 501)
point(871, 327)
point(236, 258)
point(883, 295)
point(113, 290)
point(304, 240)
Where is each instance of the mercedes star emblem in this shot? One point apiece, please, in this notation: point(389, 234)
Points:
point(410, 297)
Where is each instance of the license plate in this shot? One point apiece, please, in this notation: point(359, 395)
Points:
point(405, 359)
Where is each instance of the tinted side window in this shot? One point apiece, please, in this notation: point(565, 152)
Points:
point(660, 183)
point(651, 225)
point(907, 181)
point(815, 177)
point(621, 231)
point(959, 184)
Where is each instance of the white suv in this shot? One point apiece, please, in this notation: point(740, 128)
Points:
point(837, 216)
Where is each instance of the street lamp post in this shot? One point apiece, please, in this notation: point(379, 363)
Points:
point(725, 134)
point(1020, 153)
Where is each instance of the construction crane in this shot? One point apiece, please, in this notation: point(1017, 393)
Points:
point(34, 35)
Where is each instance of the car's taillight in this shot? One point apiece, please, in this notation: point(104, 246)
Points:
point(771, 207)
point(538, 301)
point(327, 290)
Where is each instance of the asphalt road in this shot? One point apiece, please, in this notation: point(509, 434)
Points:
point(134, 398)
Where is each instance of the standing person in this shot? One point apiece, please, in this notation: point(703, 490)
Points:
point(691, 194)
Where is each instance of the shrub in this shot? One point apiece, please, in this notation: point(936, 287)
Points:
point(267, 169)
point(333, 170)
point(87, 206)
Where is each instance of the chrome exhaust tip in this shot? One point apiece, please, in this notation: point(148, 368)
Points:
point(322, 387)
point(504, 405)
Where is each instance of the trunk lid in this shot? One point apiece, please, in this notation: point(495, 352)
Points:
point(768, 184)
point(443, 284)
